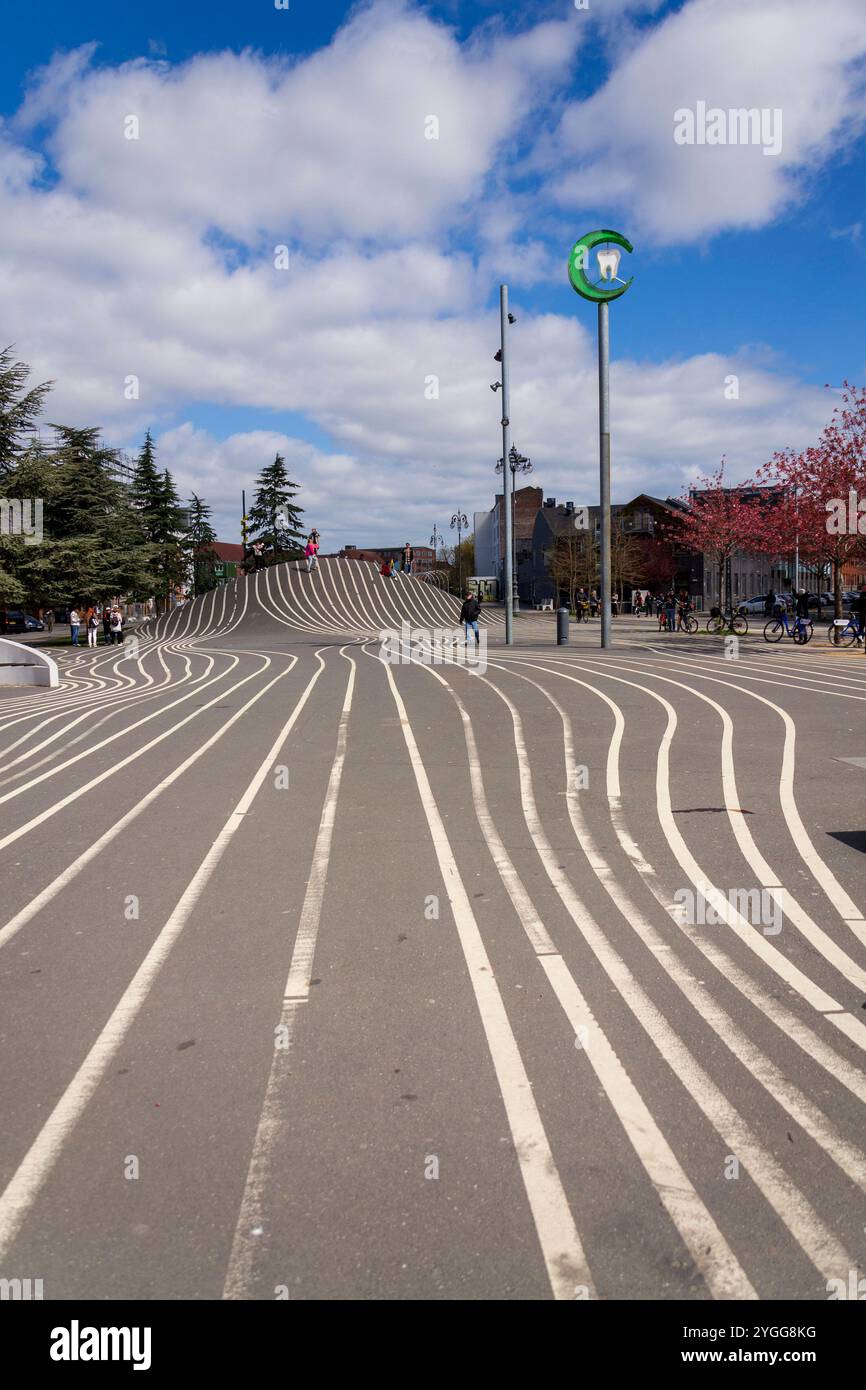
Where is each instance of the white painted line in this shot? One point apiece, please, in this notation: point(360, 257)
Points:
point(239, 1275)
point(36, 1166)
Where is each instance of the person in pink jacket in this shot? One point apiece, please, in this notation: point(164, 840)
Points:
point(312, 553)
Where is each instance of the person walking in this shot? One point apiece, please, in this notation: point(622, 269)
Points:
point(92, 627)
point(469, 615)
point(770, 604)
point(408, 558)
point(312, 553)
point(48, 619)
point(116, 626)
point(106, 623)
point(75, 625)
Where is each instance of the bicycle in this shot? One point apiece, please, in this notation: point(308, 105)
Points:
point(845, 634)
point(719, 622)
point(686, 621)
point(800, 630)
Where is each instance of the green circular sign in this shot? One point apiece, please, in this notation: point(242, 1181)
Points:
point(578, 263)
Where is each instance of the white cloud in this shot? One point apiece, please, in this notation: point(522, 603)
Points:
point(332, 145)
point(114, 269)
point(617, 147)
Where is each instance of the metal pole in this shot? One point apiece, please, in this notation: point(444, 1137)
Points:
point(516, 598)
point(506, 446)
point(604, 463)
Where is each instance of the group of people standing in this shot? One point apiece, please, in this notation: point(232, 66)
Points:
point(91, 619)
point(389, 568)
point(671, 608)
point(586, 605)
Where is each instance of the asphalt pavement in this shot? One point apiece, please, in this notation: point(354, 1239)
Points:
point(331, 976)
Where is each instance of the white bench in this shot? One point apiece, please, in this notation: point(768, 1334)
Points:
point(544, 607)
point(24, 665)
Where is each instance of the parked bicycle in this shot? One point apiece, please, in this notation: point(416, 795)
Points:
point(798, 629)
point(729, 621)
point(686, 620)
point(844, 632)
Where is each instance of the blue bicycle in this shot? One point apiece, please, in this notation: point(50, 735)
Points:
point(798, 629)
point(845, 634)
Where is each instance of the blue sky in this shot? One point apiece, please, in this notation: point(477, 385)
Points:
point(152, 259)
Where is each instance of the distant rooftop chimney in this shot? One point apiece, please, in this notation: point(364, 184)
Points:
point(550, 501)
point(569, 506)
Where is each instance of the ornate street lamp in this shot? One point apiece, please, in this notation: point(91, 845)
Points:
point(461, 521)
point(517, 463)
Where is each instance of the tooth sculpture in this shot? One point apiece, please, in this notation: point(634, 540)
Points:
point(608, 263)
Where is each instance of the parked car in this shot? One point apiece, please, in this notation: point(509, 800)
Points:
point(16, 620)
point(751, 606)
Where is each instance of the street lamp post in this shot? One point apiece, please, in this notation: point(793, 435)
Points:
point(437, 539)
point(461, 521)
point(505, 319)
point(601, 292)
point(517, 463)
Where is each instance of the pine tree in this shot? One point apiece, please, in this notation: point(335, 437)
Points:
point(169, 522)
point(19, 409)
point(93, 545)
point(155, 499)
point(275, 517)
point(146, 488)
point(198, 546)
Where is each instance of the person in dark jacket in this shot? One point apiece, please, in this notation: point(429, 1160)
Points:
point(770, 604)
point(469, 614)
point(861, 613)
point(802, 604)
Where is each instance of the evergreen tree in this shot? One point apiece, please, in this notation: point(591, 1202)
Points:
point(93, 544)
point(19, 409)
point(169, 523)
point(155, 499)
point(146, 488)
point(198, 546)
point(275, 517)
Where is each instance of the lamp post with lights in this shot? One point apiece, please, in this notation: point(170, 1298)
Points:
point(609, 286)
point(505, 321)
point(461, 521)
point(517, 463)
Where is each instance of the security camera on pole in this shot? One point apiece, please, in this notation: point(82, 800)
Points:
point(609, 286)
